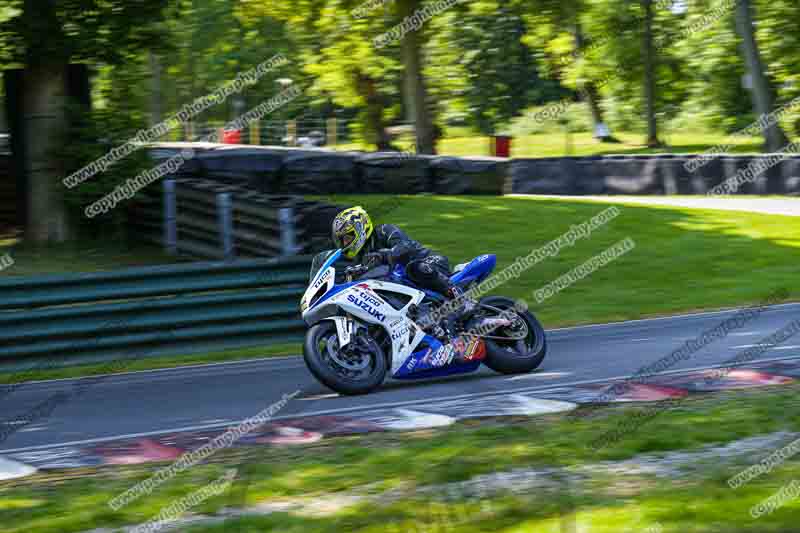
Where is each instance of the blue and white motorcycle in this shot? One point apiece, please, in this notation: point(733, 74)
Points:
point(375, 322)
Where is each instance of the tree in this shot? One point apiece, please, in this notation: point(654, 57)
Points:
point(44, 36)
point(479, 71)
point(548, 21)
point(775, 139)
point(650, 74)
point(416, 94)
point(337, 55)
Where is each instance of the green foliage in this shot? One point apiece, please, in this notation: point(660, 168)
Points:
point(77, 30)
point(478, 61)
point(572, 116)
point(91, 136)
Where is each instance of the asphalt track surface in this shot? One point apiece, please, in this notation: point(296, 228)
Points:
point(219, 395)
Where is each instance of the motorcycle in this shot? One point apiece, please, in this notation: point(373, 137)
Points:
point(375, 322)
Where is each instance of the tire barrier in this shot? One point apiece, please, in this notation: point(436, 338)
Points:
point(677, 179)
point(256, 169)
point(791, 175)
point(297, 171)
point(50, 321)
point(395, 173)
point(279, 170)
point(469, 175)
point(649, 174)
point(548, 175)
point(631, 175)
point(319, 172)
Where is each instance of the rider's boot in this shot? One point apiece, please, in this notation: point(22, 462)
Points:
point(462, 306)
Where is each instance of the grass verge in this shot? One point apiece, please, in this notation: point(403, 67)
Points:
point(696, 500)
point(557, 144)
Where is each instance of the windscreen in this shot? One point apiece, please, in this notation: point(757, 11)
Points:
point(319, 261)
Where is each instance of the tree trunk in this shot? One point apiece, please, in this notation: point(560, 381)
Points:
point(155, 88)
point(414, 83)
point(774, 137)
point(44, 119)
point(650, 75)
point(590, 93)
point(376, 128)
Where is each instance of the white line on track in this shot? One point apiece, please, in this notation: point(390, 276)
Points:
point(528, 390)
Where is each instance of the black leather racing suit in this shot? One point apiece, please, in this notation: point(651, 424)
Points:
point(425, 268)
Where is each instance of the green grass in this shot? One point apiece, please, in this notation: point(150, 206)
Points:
point(581, 144)
point(154, 363)
point(700, 501)
point(79, 256)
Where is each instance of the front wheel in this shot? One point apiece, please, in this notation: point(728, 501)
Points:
point(358, 368)
point(526, 345)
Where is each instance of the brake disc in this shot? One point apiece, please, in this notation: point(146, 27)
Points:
point(345, 361)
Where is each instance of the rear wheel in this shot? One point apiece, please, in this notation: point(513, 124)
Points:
point(358, 368)
point(525, 345)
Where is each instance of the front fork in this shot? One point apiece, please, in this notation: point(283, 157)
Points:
point(345, 329)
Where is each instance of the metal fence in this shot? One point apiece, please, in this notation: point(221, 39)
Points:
point(205, 219)
point(179, 309)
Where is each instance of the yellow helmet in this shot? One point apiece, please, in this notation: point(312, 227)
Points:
point(351, 229)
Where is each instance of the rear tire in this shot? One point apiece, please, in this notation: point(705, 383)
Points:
point(500, 359)
point(324, 369)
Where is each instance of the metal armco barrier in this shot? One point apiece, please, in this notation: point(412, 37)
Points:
point(150, 311)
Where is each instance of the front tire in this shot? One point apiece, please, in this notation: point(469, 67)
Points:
point(339, 369)
point(515, 357)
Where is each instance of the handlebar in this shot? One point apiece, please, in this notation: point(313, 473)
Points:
point(355, 271)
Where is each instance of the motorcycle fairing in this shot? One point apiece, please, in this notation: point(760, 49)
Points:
point(476, 270)
point(421, 363)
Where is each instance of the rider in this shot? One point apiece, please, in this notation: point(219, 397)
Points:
point(353, 233)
